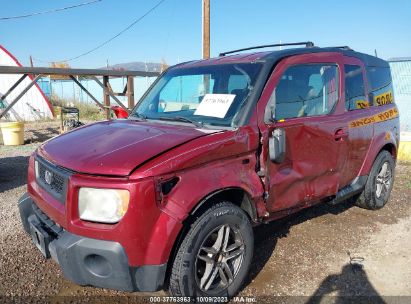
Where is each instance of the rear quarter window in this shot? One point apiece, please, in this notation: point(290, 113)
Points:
point(380, 82)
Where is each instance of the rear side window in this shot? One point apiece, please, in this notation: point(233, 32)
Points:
point(354, 88)
point(306, 90)
point(380, 82)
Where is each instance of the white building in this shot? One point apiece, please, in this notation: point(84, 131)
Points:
point(34, 105)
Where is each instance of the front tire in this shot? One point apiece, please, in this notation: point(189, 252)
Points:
point(379, 184)
point(215, 255)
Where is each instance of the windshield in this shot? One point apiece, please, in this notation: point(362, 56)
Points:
point(210, 95)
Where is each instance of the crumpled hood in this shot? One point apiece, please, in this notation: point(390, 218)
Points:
point(115, 147)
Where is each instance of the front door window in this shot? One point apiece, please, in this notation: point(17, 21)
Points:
point(306, 90)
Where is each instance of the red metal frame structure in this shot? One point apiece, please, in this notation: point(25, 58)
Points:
point(36, 72)
point(21, 79)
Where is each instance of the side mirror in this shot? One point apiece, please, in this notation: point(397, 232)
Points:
point(276, 146)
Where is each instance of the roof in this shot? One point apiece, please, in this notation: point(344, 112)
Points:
point(274, 56)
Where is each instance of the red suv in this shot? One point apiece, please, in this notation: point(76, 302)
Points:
point(167, 198)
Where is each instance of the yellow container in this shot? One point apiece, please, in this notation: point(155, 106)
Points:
point(13, 133)
point(404, 150)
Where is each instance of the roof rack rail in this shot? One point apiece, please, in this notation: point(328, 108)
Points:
point(344, 47)
point(306, 43)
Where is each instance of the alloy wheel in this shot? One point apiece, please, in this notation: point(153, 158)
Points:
point(383, 180)
point(219, 259)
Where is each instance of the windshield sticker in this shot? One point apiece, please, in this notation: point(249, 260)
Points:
point(215, 105)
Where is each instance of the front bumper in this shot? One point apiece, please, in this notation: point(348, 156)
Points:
point(87, 261)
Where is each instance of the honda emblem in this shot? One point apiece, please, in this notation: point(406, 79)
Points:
point(48, 176)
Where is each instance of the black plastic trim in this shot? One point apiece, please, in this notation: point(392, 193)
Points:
point(93, 262)
point(87, 261)
point(305, 43)
point(352, 189)
point(25, 209)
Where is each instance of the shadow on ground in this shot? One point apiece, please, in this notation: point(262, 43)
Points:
point(13, 172)
point(41, 135)
point(267, 235)
point(350, 285)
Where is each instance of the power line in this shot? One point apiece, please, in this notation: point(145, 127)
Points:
point(110, 39)
point(50, 11)
point(170, 27)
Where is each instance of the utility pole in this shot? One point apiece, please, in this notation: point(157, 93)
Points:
point(206, 29)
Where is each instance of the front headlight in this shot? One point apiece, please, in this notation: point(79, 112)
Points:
point(102, 205)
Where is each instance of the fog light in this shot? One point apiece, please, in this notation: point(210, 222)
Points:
point(98, 265)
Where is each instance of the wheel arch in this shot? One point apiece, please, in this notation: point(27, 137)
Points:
point(236, 195)
point(378, 145)
point(391, 148)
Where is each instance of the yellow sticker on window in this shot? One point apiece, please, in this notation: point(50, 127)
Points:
point(383, 99)
point(362, 104)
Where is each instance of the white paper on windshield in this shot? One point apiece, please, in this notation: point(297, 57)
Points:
point(215, 105)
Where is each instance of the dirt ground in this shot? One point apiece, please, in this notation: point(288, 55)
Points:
point(325, 253)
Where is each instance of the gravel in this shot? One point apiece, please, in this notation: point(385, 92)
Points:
point(322, 251)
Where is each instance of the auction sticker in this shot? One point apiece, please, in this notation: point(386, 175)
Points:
point(215, 105)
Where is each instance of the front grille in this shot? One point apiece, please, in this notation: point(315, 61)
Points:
point(51, 178)
point(57, 182)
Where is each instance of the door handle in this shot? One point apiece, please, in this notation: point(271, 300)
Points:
point(340, 134)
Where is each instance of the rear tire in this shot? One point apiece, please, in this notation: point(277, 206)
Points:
point(379, 183)
point(215, 255)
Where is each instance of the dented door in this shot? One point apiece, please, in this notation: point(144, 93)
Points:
point(315, 129)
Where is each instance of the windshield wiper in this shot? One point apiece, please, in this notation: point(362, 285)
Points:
point(198, 124)
point(141, 116)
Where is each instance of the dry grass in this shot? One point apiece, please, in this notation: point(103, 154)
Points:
point(88, 111)
point(34, 130)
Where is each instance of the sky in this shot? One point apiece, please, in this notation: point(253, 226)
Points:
point(173, 31)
